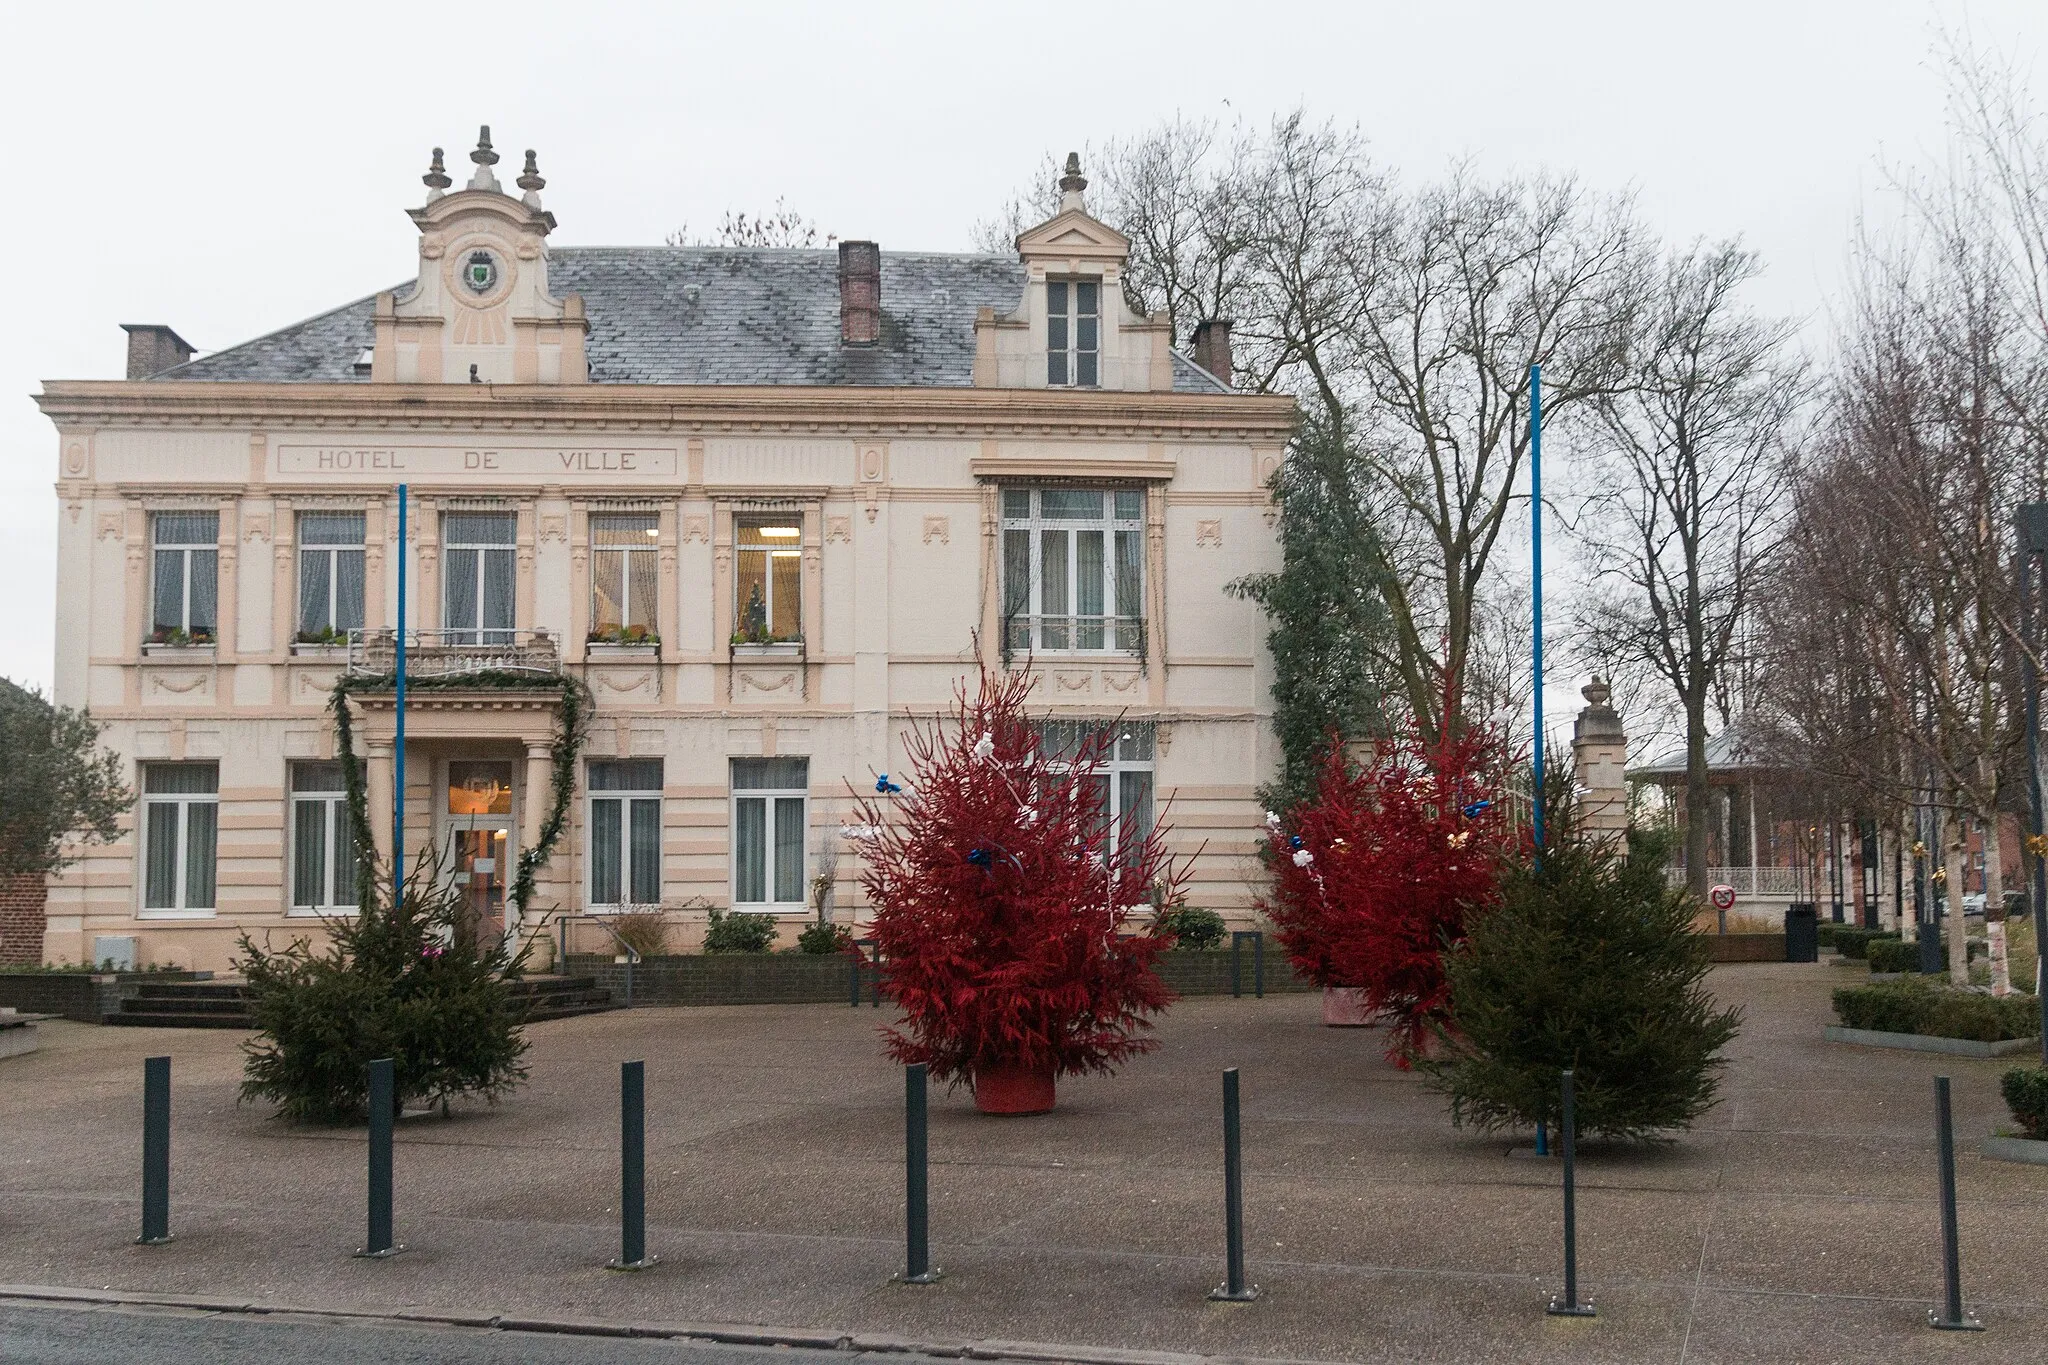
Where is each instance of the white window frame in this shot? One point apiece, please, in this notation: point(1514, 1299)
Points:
point(183, 802)
point(184, 550)
point(475, 632)
point(771, 815)
point(1064, 353)
point(626, 799)
point(1120, 634)
point(335, 821)
point(651, 611)
point(769, 554)
point(332, 553)
point(1114, 766)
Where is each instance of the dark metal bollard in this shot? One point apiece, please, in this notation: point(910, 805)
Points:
point(1567, 1305)
point(853, 960)
point(860, 960)
point(382, 1110)
point(917, 1251)
point(1233, 1289)
point(1237, 938)
point(1951, 1318)
point(632, 1169)
point(156, 1152)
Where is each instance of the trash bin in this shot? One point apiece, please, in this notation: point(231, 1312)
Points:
point(1931, 959)
point(1802, 932)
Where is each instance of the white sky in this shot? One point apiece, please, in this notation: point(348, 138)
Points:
point(229, 169)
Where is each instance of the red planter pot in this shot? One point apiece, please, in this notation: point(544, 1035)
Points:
point(1344, 1007)
point(1013, 1090)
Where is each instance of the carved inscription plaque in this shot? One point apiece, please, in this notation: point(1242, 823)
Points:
point(366, 462)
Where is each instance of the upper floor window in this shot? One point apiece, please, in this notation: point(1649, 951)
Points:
point(1121, 785)
point(323, 844)
point(180, 830)
point(1073, 326)
point(1073, 569)
point(477, 583)
point(623, 576)
point(186, 577)
point(330, 575)
point(769, 800)
point(768, 588)
point(625, 832)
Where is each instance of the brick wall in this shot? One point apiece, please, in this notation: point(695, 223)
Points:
point(21, 920)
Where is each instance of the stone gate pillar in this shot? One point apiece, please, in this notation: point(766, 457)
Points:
point(1600, 752)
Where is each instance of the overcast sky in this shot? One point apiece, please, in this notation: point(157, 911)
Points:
point(232, 169)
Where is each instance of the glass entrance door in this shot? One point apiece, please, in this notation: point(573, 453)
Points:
point(477, 849)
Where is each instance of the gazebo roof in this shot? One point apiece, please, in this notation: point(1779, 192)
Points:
point(1728, 753)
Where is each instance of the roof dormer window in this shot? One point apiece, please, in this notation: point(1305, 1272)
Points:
point(1073, 329)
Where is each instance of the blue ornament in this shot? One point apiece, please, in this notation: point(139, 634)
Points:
point(884, 787)
point(1477, 808)
point(1294, 842)
point(982, 858)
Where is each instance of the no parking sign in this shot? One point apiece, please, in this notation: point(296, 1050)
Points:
point(1722, 897)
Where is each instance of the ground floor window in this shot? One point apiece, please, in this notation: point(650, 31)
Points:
point(323, 846)
point(769, 797)
point(180, 827)
point(625, 832)
point(1122, 784)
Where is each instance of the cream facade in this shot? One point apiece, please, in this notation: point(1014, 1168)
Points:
point(767, 506)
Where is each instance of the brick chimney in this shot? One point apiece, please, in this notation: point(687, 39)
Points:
point(154, 348)
point(860, 293)
point(1212, 347)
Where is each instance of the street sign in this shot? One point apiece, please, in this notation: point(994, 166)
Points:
point(1722, 897)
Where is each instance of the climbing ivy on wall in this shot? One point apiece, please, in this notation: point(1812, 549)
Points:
point(572, 717)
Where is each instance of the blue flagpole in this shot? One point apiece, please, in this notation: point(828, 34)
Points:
point(398, 751)
point(1536, 575)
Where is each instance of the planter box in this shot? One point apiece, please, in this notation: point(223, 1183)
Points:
point(18, 1036)
point(1920, 1042)
point(184, 654)
point(1745, 947)
point(2027, 1150)
point(801, 978)
point(86, 997)
point(599, 653)
point(782, 649)
point(330, 653)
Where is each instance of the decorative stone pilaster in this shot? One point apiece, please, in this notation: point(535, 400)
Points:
point(1600, 753)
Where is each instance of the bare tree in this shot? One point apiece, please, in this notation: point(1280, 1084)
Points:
point(781, 226)
point(1686, 495)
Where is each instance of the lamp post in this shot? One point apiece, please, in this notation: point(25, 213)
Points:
point(2030, 522)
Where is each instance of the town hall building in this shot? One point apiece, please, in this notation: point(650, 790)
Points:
point(766, 506)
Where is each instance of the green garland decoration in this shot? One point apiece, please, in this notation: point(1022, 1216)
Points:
point(572, 719)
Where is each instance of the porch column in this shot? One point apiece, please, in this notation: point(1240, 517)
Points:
point(377, 795)
point(534, 809)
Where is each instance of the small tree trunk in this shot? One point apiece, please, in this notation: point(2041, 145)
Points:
point(1956, 846)
point(1994, 908)
point(1698, 796)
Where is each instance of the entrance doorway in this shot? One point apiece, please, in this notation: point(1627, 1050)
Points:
point(477, 846)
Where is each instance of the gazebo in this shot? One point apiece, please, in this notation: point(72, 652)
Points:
point(1760, 839)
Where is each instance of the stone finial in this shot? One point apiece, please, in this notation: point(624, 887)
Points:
point(436, 179)
point(1072, 183)
point(484, 158)
point(530, 181)
point(1596, 692)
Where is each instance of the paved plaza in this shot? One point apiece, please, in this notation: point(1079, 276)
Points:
point(1798, 1223)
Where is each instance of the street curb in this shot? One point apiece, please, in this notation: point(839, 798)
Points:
point(1920, 1042)
point(725, 1334)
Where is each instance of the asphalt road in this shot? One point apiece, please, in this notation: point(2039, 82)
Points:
point(44, 1335)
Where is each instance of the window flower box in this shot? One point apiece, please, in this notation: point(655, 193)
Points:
point(314, 649)
point(598, 651)
point(189, 651)
point(767, 649)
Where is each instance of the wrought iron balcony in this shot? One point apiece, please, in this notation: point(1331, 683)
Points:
point(455, 653)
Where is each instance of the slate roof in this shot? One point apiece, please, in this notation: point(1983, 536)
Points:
point(1730, 751)
point(711, 315)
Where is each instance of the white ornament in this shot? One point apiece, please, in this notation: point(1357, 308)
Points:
point(860, 833)
point(1272, 820)
point(984, 748)
point(1302, 857)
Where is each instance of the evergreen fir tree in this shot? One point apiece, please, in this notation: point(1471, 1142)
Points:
point(1588, 960)
point(1003, 917)
point(1330, 623)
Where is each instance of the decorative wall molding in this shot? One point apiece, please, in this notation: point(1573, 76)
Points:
point(939, 529)
point(1209, 534)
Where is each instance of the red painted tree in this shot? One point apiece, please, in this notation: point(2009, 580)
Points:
point(1374, 874)
point(1011, 937)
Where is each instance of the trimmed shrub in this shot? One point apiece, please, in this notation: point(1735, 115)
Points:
point(411, 981)
point(1192, 928)
point(1893, 955)
point(821, 939)
point(2026, 1095)
point(1852, 941)
point(735, 931)
point(1934, 1010)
